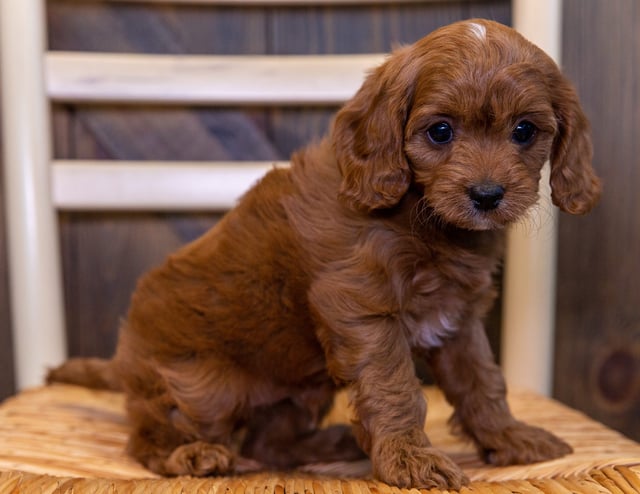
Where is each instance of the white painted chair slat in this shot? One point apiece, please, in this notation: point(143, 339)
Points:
point(145, 185)
point(219, 80)
point(37, 310)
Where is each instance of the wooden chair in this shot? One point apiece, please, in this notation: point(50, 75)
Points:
point(37, 186)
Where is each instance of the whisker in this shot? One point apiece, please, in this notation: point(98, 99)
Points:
point(537, 217)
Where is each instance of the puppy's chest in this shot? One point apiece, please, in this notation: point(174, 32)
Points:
point(443, 296)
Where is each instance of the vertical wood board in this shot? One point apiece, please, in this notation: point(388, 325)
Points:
point(598, 311)
point(105, 253)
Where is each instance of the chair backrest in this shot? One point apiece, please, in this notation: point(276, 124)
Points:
point(37, 186)
point(211, 80)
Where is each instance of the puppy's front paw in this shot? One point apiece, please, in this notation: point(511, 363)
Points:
point(404, 462)
point(520, 443)
point(200, 459)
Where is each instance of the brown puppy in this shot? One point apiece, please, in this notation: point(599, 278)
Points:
point(379, 241)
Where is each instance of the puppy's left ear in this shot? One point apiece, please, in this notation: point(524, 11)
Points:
point(368, 136)
point(575, 188)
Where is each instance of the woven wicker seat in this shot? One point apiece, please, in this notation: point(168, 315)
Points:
point(70, 439)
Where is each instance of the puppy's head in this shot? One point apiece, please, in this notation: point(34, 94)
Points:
point(468, 115)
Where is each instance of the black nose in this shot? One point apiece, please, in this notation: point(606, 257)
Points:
point(486, 197)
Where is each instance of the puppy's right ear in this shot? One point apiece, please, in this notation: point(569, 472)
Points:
point(368, 136)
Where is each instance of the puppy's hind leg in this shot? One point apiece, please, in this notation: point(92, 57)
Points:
point(187, 426)
point(287, 435)
point(168, 444)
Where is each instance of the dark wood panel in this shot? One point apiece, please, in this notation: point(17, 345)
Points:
point(140, 27)
point(105, 253)
point(496, 10)
point(598, 313)
point(377, 28)
point(6, 353)
point(138, 133)
point(103, 256)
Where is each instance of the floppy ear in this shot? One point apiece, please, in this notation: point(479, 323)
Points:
point(575, 188)
point(368, 136)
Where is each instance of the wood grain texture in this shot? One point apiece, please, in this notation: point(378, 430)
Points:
point(131, 27)
point(6, 342)
point(105, 253)
point(211, 80)
point(598, 312)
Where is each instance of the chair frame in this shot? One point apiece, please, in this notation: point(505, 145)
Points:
point(36, 186)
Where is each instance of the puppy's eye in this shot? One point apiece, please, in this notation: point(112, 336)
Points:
point(440, 133)
point(524, 133)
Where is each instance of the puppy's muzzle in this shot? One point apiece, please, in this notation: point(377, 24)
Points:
point(486, 196)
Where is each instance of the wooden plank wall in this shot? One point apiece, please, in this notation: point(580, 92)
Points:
point(598, 316)
point(105, 253)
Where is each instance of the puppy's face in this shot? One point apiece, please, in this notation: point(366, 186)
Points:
point(480, 128)
point(468, 115)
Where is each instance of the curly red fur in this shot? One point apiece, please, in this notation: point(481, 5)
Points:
point(377, 243)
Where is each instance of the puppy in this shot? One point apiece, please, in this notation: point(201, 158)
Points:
point(380, 241)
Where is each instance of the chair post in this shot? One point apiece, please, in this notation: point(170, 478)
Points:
point(33, 242)
point(530, 264)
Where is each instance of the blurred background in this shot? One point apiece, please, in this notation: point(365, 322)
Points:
point(597, 346)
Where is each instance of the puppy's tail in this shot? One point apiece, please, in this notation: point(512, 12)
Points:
point(92, 373)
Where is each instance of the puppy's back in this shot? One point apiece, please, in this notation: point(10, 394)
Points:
point(238, 294)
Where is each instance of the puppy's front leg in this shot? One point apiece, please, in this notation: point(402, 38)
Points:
point(473, 383)
point(368, 350)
